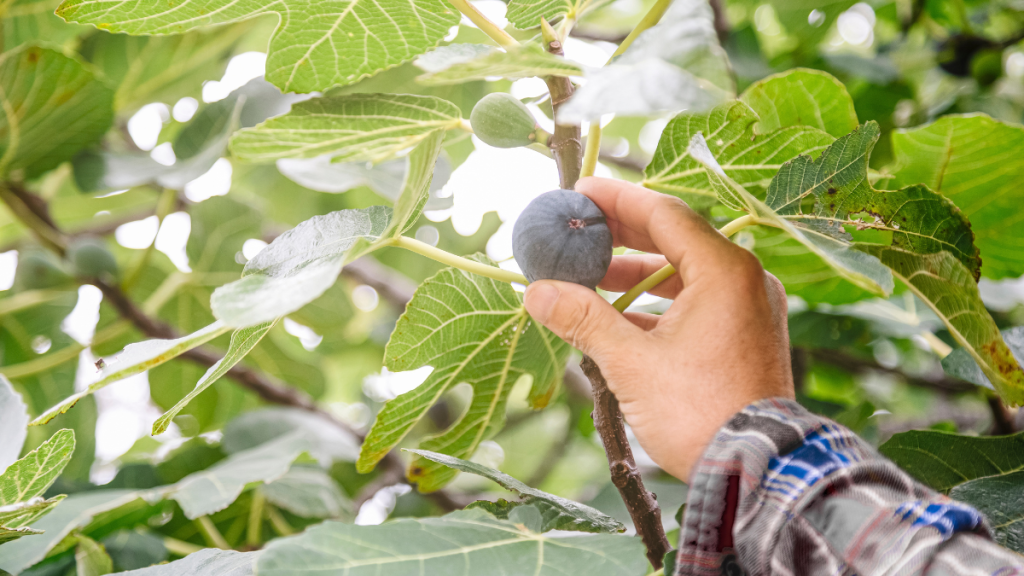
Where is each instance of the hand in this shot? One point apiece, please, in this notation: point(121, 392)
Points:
point(721, 345)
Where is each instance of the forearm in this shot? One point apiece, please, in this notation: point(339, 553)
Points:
point(782, 491)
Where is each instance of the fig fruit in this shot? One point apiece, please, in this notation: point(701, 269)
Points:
point(38, 270)
point(502, 121)
point(563, 235)
point(90, 258)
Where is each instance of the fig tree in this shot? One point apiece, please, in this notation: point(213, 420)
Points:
point(502, 121)
point(563, 235)
point(90, 258)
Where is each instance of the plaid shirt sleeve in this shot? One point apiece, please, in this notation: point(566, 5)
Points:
point(782, 491)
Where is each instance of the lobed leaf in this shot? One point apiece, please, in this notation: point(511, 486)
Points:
point(523, 61)
point(26, 21)
point(51, 106)
point(135, 359)
point(558, 513)
point(961, 364)
point(1001, 499)
point(243, 341)
point(464, 542)
point(974, 161)
point(315, 46)
point(526, 14)
point(349, 128)
point(496, 344)
point(749, 157)
point(24, 513)
point(13, 423)
point(801, 97)
point(327, 442)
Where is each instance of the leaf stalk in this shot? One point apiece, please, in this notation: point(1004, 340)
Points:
point(484, 24)
point(465, 264)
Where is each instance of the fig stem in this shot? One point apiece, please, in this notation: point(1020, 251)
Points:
point(483, 23)
point(665, 273)
point(652, 17)
point(424, 249)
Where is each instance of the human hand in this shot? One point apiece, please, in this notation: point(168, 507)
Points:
point(722, 344)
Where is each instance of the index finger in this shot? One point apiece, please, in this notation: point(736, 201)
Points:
point(658, 223)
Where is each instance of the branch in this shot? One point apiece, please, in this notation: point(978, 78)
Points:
point(1002, 418)
point(625, 162)
point(856, 365)
point(642, 505)
point(721, 21)
point(565, 142)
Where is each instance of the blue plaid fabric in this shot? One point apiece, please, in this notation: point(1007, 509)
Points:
point(782, 491)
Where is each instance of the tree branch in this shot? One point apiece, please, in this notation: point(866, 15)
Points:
point(642, 505)
point(565, 142)
point(856, 365)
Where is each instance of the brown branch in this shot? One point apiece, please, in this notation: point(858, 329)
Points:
point(1002, 418)
point(625, 162)
point(856, 365)
point(565, 143)
point(642, 505)
point(598, 36)
point(721, 21)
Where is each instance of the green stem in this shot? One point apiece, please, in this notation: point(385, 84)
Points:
point(210, 533)
point(253, 535)
point(652, 17)
point(490, 28)
point(180, 547)
point(28, 299)
point(593, 149)
point(459, 262)
point(281, 526)
point(666, 272)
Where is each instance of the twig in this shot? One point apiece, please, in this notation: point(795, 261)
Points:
point(721, 21)
point(565, 142)
point(625, 162)
point(642, 505)
point(598, 36)
point(1002, 419)
point(857, 365)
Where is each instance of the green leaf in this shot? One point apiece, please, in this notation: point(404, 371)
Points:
point(50, 108)
point(802, 97)
point(211, 490)
point(951, 291)
point(974, 161)
point(91, 558)
point(327, 442)
point(135, 359)
point(960, 364)
point(76, 511)
point(415, 188)
point(297, 267)
point(526, 14)
point(206, 562)
point(1001, 500)
point(675, 65)
point(497, 344)
point(349, 128)
point(465, 542)
point(943, 460)
point(558, 513)
point(33, 474)
point(13, 422)
point(27, 512)
point(27, 21)
point(160, 68)
point(524, 61)
point(308, 492)
point(315, 46)
point(243, 341)
point(10, 534)
point(862, 270)
point(748, 157)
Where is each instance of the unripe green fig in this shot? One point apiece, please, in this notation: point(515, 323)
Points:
point(90, 258)
point(38, 270)
point(502, 121)
point(563, 235)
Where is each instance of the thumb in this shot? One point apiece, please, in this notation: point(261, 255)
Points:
point(580, 317)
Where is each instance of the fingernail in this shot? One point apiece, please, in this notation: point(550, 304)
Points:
point(540, 299)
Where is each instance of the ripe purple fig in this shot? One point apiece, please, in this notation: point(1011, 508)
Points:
point(563, 235)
